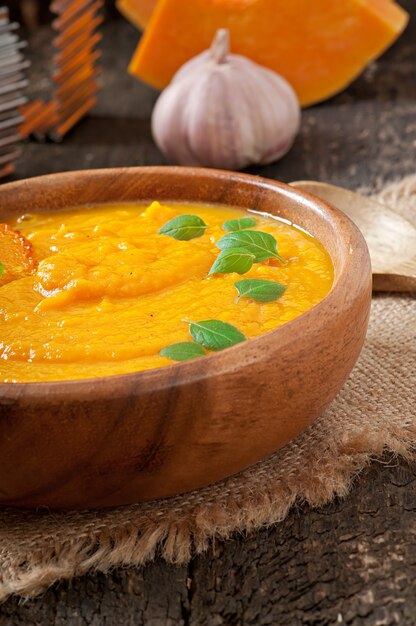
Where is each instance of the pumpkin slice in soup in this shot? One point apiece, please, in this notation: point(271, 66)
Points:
point(319, 47)
point(16, 255)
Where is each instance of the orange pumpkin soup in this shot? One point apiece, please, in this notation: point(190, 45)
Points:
point(109, 291)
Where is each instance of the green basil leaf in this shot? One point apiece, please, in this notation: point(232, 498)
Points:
point(182, 351)
point(260, 290)
point(1, 269)
point(184, 227)
point(237, 260)
point(262, 245)
point(215, 335)
point(239, 224)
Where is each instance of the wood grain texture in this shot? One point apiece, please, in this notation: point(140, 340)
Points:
point(135, 437)
point(364, 137)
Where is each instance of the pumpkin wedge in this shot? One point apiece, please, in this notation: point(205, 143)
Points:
point(319, 46)
point(138, 12)
point(16, 255)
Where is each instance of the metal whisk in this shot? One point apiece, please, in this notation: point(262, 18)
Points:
point(12, 85)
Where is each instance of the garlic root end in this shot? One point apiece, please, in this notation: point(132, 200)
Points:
point(220, 46)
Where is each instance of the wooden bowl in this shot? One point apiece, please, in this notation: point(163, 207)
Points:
point(123, 439)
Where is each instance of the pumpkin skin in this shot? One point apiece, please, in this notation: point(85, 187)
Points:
point(319, 47)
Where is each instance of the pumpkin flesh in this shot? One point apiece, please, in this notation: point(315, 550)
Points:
point(138, 12)
point(319, 47)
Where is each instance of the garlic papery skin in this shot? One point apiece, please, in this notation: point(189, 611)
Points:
point(223, 110)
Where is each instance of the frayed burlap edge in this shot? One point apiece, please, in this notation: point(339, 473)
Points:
point(372, 414)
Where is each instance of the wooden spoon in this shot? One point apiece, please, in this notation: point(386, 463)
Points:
point(390, 238)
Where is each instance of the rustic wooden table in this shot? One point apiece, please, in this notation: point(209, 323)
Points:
point(352, 562)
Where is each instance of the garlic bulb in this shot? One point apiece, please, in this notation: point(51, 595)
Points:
point(223, 110)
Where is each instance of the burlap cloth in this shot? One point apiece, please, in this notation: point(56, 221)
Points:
point(375, 411)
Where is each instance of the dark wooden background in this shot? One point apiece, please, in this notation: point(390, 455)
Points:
point(33, 13)
point(350, 563)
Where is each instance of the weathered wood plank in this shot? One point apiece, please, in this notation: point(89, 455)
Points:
point(351, 563)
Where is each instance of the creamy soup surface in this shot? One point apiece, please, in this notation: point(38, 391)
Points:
point(109, 292)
